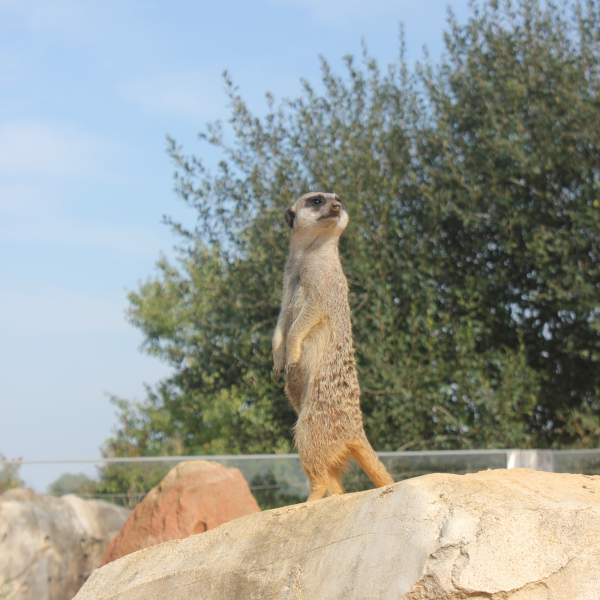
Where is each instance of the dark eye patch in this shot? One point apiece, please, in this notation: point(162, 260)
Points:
point(290, 215)
point(317, 200)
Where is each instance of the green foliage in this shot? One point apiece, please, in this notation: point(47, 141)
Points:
point(9, 476)
point(123, 484)
point(69, 483)
point(267, 491)
point(513, 161)
point(473, 189)
point(127, 484)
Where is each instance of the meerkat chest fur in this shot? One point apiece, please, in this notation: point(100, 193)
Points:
point(321, 289)
point(315, 317)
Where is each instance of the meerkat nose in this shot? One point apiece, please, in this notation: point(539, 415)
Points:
point(336, 206)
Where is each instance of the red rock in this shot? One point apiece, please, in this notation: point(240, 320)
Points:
point(194, 497)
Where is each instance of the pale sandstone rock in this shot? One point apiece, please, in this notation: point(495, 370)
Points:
point(496, 535)
point(49, 546)
point(194, 496)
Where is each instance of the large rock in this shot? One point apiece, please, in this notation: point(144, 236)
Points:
point(194, 497)
point(49, 546)
point(494, 535)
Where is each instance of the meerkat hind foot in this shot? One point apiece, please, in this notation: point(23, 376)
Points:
point(317, 490)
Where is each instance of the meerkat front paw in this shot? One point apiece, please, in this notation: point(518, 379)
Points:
point(289, 367)
point(278, 364)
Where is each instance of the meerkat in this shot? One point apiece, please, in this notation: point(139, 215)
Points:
point(312, 344)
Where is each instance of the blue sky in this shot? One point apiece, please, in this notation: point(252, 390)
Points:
point(88, 90)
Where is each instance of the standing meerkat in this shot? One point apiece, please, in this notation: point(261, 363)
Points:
point(313, 345)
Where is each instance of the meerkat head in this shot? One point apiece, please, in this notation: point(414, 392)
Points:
point(316, 214)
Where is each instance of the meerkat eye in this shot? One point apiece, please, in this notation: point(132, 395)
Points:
point(318, 200)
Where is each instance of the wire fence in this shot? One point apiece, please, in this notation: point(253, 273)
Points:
point(278, 479)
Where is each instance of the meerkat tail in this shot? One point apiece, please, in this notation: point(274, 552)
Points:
point(369, 461)
point(335, 483)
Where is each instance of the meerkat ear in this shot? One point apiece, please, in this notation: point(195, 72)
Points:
point(290, 215)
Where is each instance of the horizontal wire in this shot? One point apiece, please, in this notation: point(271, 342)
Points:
point(219, 457)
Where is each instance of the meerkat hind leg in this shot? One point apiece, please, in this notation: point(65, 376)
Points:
point(335, 483)
point(369, 461)
point(318, 487)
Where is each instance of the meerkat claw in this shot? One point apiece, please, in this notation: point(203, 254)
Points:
point(289, 367)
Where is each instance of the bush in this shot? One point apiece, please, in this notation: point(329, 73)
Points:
point(9, 476)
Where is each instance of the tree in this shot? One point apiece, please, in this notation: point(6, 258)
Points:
point(513, 160)
point(9, 475)
point(70, 483)
point(473, 193)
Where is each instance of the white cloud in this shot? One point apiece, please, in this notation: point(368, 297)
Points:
point(45, 309)
point(40, 166)
point(336, 11)
point(33, 149)
point(191, 94)
point(23, 199)
point(72, 20)
point(41, 227)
